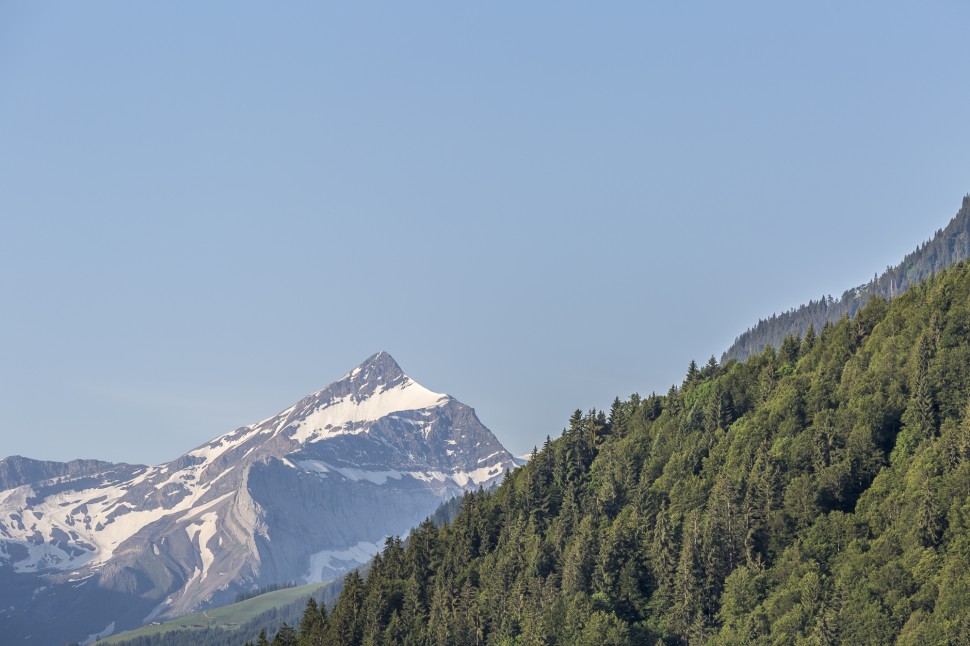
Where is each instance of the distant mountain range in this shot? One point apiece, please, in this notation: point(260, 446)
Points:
point(947, 247)
point(93, 548)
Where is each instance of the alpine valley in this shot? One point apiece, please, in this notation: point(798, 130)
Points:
point(303, 496)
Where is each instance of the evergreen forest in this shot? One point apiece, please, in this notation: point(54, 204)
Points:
point(814, 494)
point(947, 247)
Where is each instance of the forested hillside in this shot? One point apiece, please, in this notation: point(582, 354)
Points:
point(947, 247)
point(817, 494)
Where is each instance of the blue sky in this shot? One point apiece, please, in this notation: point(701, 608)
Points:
point(211, 209)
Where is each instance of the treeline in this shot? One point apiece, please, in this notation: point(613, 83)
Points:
point(817, 494)
point(947, 247)
point(216, 636)
point(266, 621)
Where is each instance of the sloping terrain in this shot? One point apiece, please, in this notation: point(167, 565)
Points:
point(304, 495)
point(235, 622)
point(948, 246)
point(819, 494)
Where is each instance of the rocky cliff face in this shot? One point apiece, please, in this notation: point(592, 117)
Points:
point(16, 470)
point(304, 495)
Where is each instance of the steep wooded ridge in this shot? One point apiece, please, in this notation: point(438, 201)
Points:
point(303, 496)
point(817, 494)
point(947, 247)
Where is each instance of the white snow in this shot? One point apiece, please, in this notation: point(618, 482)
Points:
point(354, 475)
point(477, 476)
point(195, 575)
point(461, 478)
point(314, 419)
point(57, 508)
point(340, 416)
point(41, 556)
point(327, 564)
point(315, 465)
point(220, 445)
point(195, 511)
point(428, 476)
point(204, 529)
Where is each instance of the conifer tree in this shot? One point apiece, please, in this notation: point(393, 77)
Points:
point(689, 576)
point(693, 374)
point(756, 505)
point(313, 625)
point(663, 557)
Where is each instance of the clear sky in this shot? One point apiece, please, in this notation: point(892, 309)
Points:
point(212, 209)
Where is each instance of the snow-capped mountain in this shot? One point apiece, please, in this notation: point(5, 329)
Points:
point(304, 495)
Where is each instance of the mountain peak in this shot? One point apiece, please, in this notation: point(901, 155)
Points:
point(328, 478)
point(382, 365)
point(377, 371)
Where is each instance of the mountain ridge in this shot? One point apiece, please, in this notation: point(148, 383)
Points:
point(948, 246)
point(302, 495)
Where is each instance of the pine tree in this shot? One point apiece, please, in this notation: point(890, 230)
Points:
point(688, 600)
point(313, 625)
point(919, 420)
point(663, 557)
point(346, 625)
point(693, 374)
point(285, 636)
point(789, 350)
point(759, 520)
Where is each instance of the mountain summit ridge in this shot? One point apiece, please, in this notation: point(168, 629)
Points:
point(382, 364)
point(302, 495)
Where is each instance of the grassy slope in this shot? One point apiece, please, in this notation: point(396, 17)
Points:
point(227, 617)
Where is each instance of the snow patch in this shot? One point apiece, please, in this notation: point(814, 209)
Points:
point(477, 476)
point(346, 414)
point(461, 478)
point(203, 530)
point(329, 564)
point(354, 475)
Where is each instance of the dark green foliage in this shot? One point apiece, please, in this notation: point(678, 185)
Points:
point(285, 636)
point(947, 247)
point(313, 625)
point(819, 494)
